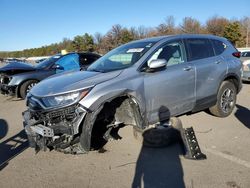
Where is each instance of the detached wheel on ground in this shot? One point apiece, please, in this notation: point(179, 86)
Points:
point(226, 99)
point(160, 136)
point(26, 87)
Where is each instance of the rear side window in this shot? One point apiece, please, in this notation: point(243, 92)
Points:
point(219, 46)
point(87, 59)
point(199, 49)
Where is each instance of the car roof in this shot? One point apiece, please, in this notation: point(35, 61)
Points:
point(157, 39)
point(80, 53)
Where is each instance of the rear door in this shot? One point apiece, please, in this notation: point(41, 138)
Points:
point(171, 89)
point(205, 55)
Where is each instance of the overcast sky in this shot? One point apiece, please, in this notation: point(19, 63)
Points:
point(33, 23)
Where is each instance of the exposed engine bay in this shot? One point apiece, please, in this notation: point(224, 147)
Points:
point(54, 129)
point(61, 129)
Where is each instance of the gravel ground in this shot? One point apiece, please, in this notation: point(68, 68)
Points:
point(125, 163)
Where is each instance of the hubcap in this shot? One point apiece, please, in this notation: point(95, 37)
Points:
point(30, 86)
point(227, 100)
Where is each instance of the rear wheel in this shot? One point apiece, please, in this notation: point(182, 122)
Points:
point(26, 87)
point(226, 99)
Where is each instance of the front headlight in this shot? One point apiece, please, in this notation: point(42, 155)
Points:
point(64, 99)
point(5, 79)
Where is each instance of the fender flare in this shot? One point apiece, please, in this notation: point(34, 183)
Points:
point(20, 84)
point(234, 76)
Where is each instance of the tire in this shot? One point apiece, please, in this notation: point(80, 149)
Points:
point(160, 136)
point(26, 86)
point(226, 99)
point(88, 140)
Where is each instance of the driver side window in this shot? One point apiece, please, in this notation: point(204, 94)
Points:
point(171, 52)
point(69, 62)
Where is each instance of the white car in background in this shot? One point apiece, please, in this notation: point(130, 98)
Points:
point(245, 59)
point(246, 70)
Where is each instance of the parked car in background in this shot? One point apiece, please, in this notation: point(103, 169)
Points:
point(246, 70)
point(40, 60)
point(245, 56)
point(18, 78)
point(245, 59)
point(135, 84)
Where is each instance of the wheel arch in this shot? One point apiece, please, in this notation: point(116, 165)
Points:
point(234, 78)
point(115, 104)
point(21, 83)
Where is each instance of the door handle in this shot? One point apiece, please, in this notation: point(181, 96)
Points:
point(187, 68)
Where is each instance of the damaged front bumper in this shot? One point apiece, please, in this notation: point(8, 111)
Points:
point(56, 129)
point(6, 89)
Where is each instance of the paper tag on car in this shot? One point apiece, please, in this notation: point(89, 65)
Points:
point(56, 57)
point(134, 50)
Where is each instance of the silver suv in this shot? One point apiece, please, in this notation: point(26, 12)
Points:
point(134, 84)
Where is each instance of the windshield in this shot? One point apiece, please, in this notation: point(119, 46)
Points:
point(121, 57)
point(48, 62)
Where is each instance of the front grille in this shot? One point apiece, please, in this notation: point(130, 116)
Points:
point(62, 112)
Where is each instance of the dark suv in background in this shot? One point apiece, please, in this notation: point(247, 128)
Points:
point(18, 78)
point(133, 85)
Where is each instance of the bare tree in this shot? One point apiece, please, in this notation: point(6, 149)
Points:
point(190, 25)
point(98, 37)
point(168, 27)
point(245, 22)
point(216, 25)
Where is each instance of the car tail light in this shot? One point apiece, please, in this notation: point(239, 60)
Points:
point(236, 54)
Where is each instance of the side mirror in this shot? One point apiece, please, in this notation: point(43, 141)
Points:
point(56, 66)
point(157, 64)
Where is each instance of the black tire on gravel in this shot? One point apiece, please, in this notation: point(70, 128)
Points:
point(26, 86)
point(226, 99)
point(160, 136)
point(88, 139)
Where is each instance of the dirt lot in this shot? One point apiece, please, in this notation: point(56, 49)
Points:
point(125, 163)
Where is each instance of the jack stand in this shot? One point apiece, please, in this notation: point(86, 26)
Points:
point(170, 132)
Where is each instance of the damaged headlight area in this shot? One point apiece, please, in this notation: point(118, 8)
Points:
point(5, 88)
point(4, 79)
point(54, 128)
point(62, 99)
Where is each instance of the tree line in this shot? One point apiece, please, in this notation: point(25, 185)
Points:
point(237, 31)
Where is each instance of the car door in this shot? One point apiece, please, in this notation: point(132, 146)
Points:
point(173, 88)
point(68, 62)
point(210, 68)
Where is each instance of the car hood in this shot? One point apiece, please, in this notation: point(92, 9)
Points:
point(17, 67)
point(71, 81)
